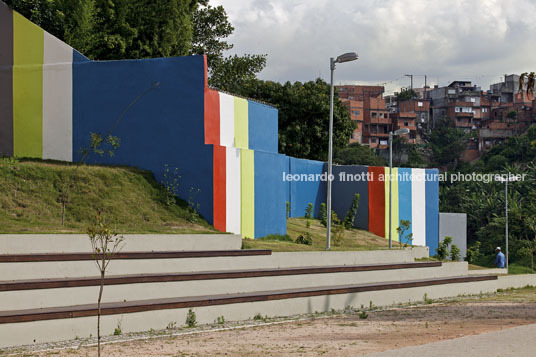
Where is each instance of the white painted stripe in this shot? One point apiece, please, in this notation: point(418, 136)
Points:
point(57, 100)
point(226, 120)
point(418, 207)
point(233, 199)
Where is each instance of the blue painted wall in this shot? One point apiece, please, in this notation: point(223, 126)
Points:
point(432, 209)
point(165, 127)
point(270, 194)
point(343, 193)
point(304, 192)
point(262, 127)
point(404, 197)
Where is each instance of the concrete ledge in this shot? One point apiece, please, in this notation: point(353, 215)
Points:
point(56, 330)
point(516, 281)
point(68, 243)
point(488, 272)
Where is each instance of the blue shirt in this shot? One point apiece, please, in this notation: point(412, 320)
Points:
point(499, 260)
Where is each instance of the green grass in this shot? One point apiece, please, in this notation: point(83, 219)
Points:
point(355, 239)
point(129, 198)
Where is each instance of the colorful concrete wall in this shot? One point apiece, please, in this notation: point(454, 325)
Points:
point(224, 147)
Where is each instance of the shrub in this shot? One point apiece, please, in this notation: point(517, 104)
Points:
point(443, 248)
point(323, 215)
point(454, 253)
point(309, 211)
point(305, 239)
point(473, 253)
point(350, 215)
point(337, 230)
point(288, 209)
point(191, 319)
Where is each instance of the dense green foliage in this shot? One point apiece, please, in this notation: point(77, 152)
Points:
point(484, 203)
point(303, 116)
point(446, 143)
point(134, 29)
point(131, 198)
point(357, 154)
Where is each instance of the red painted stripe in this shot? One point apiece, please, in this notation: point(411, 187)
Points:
point(377, 201)
point(220, 184)
point(212, 117)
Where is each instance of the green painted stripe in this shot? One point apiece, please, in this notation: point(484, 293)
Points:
point(247, 193)
point(28, 50)
point(394, 205)
point(241, 123)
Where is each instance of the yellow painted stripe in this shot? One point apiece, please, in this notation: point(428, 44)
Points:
point(28, 49)
point(394, 205)
point(241, 131)
point(247, 193)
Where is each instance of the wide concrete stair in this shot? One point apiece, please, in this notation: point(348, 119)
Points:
point(51, 295)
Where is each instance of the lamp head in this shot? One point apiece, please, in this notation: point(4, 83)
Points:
point(347, 57)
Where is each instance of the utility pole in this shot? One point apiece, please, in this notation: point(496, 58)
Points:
point(410, 76)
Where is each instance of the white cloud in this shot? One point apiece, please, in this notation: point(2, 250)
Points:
point(477, 40)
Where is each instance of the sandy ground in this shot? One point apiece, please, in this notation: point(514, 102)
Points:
point(342, 334)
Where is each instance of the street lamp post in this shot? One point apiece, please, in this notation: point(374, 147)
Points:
point(346, 57)
point(507, 179)
point(401, 131)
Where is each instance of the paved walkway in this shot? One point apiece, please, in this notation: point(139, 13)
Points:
point(517, 341)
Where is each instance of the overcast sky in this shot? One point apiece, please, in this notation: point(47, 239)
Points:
point(478, 40)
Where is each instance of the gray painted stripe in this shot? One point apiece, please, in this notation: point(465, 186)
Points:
point(6, 80)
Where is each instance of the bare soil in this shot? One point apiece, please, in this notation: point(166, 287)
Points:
point(344, 334)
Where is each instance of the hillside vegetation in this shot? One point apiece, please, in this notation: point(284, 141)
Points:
point(129, 198)
point(354, 239)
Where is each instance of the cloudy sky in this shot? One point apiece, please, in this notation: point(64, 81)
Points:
point(478, 40)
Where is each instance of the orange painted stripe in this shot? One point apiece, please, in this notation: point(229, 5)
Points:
point(376, 192)
point(220, 185)
point(212, 117)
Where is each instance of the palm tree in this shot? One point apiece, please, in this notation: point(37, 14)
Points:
point(522, 81)
point(530, 83)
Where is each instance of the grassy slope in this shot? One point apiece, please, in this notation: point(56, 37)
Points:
point(130, 198)
point(355, 239)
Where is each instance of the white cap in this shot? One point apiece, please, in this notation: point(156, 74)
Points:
point(498, 248)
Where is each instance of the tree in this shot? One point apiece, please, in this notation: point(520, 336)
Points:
point(348, 222)
point(104, 244)
point(446, 143)
point(357, 154)
point(405, 94)
point(303, 116)
point(232, 73)
point(402, 236)
point(527, 78)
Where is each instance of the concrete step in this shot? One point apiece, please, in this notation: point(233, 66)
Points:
point(67, 322)
point(62, 269)
point(44, 293)
point(68, 243)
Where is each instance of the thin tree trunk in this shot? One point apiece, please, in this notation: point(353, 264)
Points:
point(99, 307)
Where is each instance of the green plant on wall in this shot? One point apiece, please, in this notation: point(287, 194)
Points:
point(406, 239)
point(337, 230)
point(350, 215)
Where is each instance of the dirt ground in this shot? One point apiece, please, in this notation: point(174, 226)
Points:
point(345, 334)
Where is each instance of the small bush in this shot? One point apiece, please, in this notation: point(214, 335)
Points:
point(337, 230)
point(323, 215)
point(220, 320)
point(454, 253)
point(473, 253)
point(191, 319)
point(443, 248)
point(309, 211)
point(363, 315)
point(288, 209)
point(350, 215)
point(305, 239)
point(258, 316)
